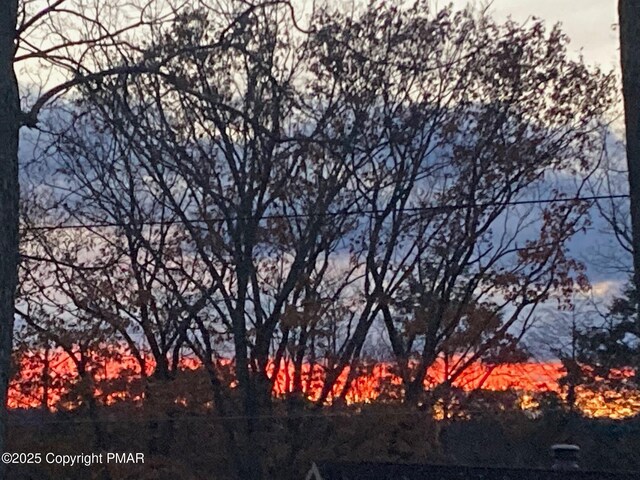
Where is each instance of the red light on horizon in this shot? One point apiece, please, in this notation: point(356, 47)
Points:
point(370, 383)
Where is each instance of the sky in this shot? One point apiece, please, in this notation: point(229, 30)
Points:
point(592, 27)
point(591, 24)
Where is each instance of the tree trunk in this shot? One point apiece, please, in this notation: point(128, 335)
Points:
point(162, 410)
point(629, 15)
point(9, 193)
point(46, 377)
point(250, 452)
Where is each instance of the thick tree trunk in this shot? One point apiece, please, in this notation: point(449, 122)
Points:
point(9, 193)
point(162, 409)
point(250, 450)
point(629, 14)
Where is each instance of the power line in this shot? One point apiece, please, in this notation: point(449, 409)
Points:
point(343, 213)
point(358, 411)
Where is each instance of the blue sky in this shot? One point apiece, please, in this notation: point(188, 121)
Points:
point(592, 27)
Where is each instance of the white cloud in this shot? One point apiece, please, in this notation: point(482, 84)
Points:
point(589, 23)
point(606, 289)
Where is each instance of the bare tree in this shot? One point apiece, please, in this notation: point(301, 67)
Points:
point(18, 21)
point(611, 184)
point(194, 94)
point(456, 127)
point(69, 41)
point(389, 165)
point(234, 127)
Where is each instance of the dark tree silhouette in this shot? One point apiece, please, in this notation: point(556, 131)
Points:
point(629, 14)
point(9, 193)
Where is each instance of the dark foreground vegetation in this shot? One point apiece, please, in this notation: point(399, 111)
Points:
point(195, 445)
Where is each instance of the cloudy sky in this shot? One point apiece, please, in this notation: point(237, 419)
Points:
point(592, 27)
point(589, 23)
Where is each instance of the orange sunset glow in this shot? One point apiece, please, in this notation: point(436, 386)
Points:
point(375, 382)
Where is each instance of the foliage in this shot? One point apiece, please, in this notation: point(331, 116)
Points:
point(267, 193)
point(607, 354)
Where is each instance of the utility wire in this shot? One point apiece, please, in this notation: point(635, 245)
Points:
point(341, 213)
point(357, 412)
